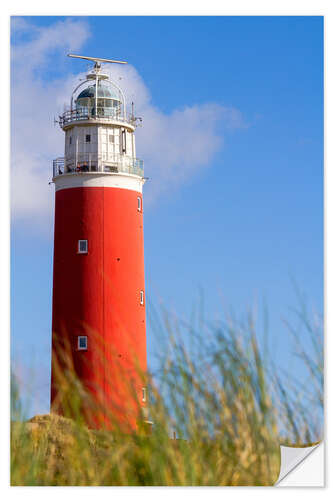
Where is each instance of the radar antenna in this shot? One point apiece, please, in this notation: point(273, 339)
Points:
point(97, 60)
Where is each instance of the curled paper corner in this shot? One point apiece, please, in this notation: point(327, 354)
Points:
point(292, 457)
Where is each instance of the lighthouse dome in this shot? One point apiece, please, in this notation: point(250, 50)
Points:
point(109, 100)
point(107, 92)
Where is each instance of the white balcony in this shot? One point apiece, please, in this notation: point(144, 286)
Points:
point(82, 114)
point(93, 163)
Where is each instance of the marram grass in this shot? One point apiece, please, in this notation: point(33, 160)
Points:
point(227, 406)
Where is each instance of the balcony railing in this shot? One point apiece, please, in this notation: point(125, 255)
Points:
point(85, 113)
point(88, 162)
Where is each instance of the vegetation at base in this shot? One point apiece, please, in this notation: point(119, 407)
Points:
point(218, 393)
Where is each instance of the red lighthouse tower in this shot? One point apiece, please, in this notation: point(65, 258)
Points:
point(98, 323)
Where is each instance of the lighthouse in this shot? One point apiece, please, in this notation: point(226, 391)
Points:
point(98, 316)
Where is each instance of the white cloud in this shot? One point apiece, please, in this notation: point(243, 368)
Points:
point(43, 42)
point(34, 102)
point(173, 146)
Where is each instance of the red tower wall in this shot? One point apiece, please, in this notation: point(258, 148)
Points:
point(98, 294)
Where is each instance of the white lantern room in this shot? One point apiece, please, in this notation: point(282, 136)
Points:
point(99, 137)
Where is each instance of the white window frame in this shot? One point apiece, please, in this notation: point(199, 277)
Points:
point(144, 394)
point(79, 249)
point(79, 348)
point(142, 297)
point(139, 204)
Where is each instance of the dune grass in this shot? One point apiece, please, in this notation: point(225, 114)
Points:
point(220, 408)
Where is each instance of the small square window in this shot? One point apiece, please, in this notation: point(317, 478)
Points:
point(82, 342)
point(141, 297)
point(139, 204)
point(144, 394)
point(83, 246)
point(88, 138)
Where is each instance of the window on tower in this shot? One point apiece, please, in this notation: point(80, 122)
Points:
point(83, 246)
point(141, 297)
point(70, 140)
point(88, 138)
point(144, 394)
point(139, 204)
point(111, 138)
point(82, 342)
point(123, 140)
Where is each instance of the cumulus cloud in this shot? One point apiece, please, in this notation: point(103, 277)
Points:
point(173, 146)
point(34, 101)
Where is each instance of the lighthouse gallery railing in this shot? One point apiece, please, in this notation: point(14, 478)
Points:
point(86, 162)
point(84, 114)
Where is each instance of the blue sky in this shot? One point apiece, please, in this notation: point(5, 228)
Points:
point(240, 216)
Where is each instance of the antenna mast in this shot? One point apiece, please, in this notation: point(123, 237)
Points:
point(97, 69)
